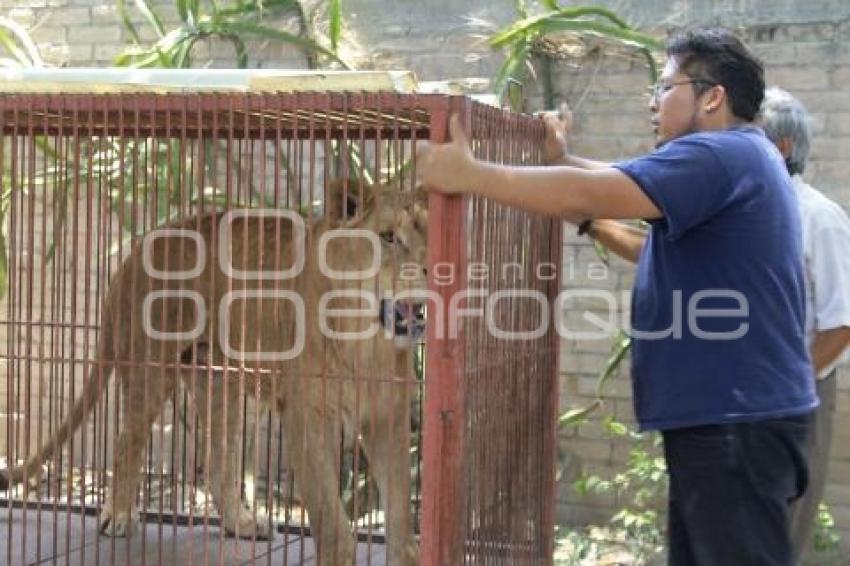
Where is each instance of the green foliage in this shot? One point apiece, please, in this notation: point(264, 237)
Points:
point(826, 539)
point(232, 23)
point(520, 37)
point(21, 52)
point(619, 348)
point(19, 45)
point(636, 527)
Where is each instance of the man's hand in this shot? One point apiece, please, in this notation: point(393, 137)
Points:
point(447, 167)
point(558, 123)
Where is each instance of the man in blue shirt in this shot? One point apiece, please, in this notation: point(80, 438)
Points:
point(719, 360)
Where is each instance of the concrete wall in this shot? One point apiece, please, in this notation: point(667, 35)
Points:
point(806, 46)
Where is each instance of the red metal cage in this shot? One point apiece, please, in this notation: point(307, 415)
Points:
point(89, 181)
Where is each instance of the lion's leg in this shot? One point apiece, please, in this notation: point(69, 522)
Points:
point(312, 440)
point(237, 518)
point(142, 405)
point(386, 442)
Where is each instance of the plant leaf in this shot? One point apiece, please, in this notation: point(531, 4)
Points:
point(521, 8)
point(128, 22)
point(241, 52)
point(335, 16)
point(4, 265)
point(183, 57)
point(578, 415)
point(619, 349)
point(183, 11)
point(581, 12)
point(512, 64)
point(277, 7)
point(151, 16)
point(12, 34)
point(554, 22)
point(304, 43)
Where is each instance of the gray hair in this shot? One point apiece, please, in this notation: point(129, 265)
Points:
point(783, 116)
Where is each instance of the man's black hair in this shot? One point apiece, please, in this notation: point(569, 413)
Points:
point(719, 58)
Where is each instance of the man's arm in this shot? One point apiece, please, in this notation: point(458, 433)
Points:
point(566, 192)
point(828, 345)
point(828, 267)
point(580, 162)
point(623, 239)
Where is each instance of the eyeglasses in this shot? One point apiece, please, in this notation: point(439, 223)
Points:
point(659, 88)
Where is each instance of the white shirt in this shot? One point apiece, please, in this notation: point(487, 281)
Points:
point(826, 254)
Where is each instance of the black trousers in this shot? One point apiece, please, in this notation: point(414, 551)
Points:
point(731, 487)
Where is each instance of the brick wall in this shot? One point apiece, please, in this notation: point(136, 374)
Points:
point(806, 47)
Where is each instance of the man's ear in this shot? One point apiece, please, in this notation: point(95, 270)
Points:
point(785, 146)
point(715, 99)
point(344, 199)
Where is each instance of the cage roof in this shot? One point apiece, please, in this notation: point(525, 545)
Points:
point(116, 80)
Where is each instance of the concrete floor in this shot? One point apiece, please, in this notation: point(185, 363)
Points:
point(72, 540)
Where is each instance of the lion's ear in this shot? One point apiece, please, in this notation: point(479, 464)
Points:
point(344, 199)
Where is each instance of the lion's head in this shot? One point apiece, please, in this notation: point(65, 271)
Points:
point(391, 223)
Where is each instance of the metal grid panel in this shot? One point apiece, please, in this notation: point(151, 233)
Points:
point(490, 426)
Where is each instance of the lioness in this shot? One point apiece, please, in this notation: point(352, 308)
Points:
point(333, 382)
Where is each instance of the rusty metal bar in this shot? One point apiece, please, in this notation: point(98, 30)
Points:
point(443, 506)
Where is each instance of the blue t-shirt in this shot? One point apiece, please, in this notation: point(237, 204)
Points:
point(718, 300)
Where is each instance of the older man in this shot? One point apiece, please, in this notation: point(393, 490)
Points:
point(826, 241)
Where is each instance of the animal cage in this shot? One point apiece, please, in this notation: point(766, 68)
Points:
point(231, 298)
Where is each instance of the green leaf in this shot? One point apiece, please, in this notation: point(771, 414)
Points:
point(257, 9)
point(578, 415)
point(241, 52)
point(183, 11)
point(549, 23)
point(521, 27)
point(151, 16)
point(602, 252)
point(516, 61)
point(304, 43)
point(163, 53)
point(128, 22)
point(4, 265)
point(619, 349)
point(193, 8)
point(335, 16)
point(183, 58)
point(18, 42)
point(615, 428)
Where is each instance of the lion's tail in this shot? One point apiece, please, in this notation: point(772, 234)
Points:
point(85, 403)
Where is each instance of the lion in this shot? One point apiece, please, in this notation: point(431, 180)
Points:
point(152, 343)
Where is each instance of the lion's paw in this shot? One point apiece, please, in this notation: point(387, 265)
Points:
point(117, 524)
point(245, 526)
